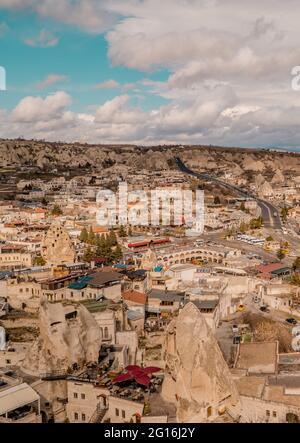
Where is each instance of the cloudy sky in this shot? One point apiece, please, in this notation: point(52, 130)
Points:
point(151, 71)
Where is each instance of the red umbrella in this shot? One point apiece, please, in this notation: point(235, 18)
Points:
point(138, 374)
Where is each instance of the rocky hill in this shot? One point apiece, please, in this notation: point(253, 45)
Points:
point(46, 156)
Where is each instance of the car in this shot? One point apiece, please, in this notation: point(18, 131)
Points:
point(264, 309)
point(235, 329)
point(291, 321)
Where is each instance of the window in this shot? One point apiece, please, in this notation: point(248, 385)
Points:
point(76, 416)
point(117, 412)
point(83, 417)
point(123, 414)
point(209, 411)
point(274, 414)
point(82, 396)
point(75, 395)
point(8, 362)
point(267, 413)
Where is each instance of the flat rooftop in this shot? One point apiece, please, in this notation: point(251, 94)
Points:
point(257, 358)
point(16, 397)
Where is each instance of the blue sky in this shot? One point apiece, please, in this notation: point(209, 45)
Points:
point(79, 56)
point(148, 72)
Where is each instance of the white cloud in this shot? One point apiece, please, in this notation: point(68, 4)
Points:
point(51, 79)
point(118, 111)
point(108, 84)
point(215, 117)
point(32, 109)
point(44, 39)
point(90, 15)
point(229, 66)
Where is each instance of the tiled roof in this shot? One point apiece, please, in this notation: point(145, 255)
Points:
point(135, 297)
point(265, 269)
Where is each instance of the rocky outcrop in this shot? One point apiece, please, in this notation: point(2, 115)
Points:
point(278, 177)
point(197, 378)
point(69, 334)
point(250, 164)
point(57, 247)
point(59, 156)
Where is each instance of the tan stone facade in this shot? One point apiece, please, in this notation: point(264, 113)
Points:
point(57, 247)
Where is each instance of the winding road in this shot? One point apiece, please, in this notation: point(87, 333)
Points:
point(269, 212)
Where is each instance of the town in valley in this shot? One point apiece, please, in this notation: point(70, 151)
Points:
point(154, 323)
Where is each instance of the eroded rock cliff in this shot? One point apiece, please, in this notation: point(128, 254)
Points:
point(197, 379)
point(69, 334)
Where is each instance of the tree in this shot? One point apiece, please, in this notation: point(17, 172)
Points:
point(56, 210)
point(256, 223)
point(84, 235)
point(107, 252)
point(88, 254)
point(112, 238)
point(295, 279)
point(39, 261)
point(122, 231)
point(91, 236)
point(242, 207)
point(280, 254)
point(101, 245)
point(296, 264)
point(243, 228)
point(117, 254)
point(284, 213)
point(269, 238)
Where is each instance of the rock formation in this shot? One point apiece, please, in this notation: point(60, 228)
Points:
point(149, 260)
point(57, 247)
point(69, 334)
point(197, 378)
point(278, 177)
point(48, 156)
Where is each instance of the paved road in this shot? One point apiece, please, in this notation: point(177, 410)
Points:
point(269, 212)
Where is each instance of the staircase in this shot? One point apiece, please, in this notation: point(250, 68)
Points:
point(98, 415)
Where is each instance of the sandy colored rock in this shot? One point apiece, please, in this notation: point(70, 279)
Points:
point(197, 380)
point(57, 247)
point(63, 341)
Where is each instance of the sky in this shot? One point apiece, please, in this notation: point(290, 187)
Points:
point(151, 72)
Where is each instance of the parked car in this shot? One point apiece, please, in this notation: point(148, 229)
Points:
point(291, 321)
point(235, 329)
point(265, 309)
